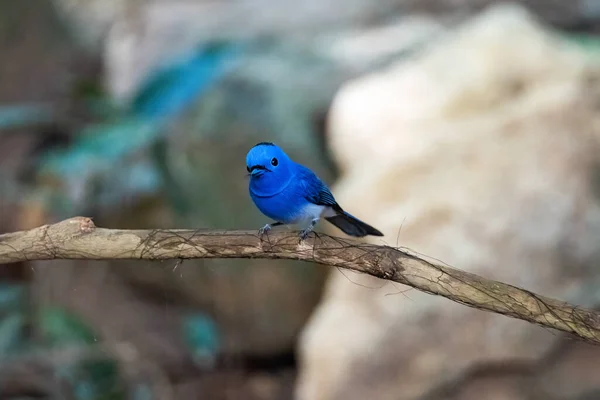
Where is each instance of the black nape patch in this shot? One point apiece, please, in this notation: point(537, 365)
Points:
point(264, 144)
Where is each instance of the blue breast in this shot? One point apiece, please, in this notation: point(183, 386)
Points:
point(285, 206)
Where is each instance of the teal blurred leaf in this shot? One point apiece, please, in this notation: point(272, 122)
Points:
point(13, 302)
point(142, 392)
point(12, 333)
point(101, 381)
point(11, 296)
point(16, 116)
point(202, 338)
point(588, 43)
point(60, 327)
point(93, 380)
point(84, 390)
point(102, 158)
point(169, 90)
point(100, 146)
point(104, 166)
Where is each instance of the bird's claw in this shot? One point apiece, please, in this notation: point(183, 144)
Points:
point(264, 230)
point(304, 234)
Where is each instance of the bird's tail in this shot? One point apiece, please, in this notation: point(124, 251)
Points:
point(352, 226)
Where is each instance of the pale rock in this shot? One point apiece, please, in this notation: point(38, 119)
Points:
point(484, 151)
point(92, 19)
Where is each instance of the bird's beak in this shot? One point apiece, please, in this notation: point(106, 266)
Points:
point(257, 170)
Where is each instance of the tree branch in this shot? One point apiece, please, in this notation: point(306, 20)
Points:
point(79, 238)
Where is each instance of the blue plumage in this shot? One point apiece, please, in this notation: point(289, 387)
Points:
point(290, 193)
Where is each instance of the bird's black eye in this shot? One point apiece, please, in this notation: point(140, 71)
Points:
point(274, 162)
point(247, 168)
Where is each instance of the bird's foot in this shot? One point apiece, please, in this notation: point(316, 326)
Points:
point(267, 228)
point(264, 230)
point(304, 234)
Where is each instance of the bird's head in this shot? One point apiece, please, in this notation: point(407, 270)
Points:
point(269, 167)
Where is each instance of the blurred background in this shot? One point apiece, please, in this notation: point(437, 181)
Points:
point(467, 130)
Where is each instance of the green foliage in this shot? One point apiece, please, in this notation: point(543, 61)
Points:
point(11, 296)
point(170, 90)
point(91, 378)
point(202, 338)
point(12, 319)
point(59, 328)
point(11, 333)
point(589, 43)
point(93, 375)
point(99, 147)
point(112, 159)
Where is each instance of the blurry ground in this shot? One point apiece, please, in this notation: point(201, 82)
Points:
point(171, 155)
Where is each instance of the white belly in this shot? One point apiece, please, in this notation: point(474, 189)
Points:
point(311, 212)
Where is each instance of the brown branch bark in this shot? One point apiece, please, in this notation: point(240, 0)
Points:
point(79, 238)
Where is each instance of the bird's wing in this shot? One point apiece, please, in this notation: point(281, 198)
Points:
point(315, 190)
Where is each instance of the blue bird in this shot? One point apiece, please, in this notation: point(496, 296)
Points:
point(290, 193)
